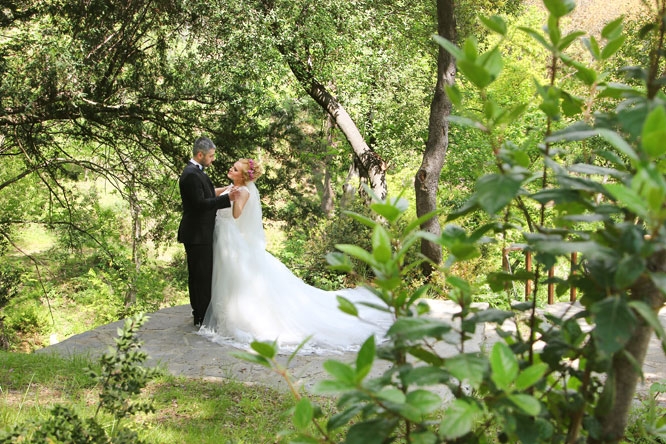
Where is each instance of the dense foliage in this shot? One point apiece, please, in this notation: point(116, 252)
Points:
point(551, 379)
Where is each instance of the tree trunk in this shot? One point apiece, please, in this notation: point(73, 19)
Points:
point(625, 376)
point(325, 186)
point(373, 165)
point(427, 177)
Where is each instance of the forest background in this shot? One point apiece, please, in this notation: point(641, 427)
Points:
point(100, 106)
point(101, 102)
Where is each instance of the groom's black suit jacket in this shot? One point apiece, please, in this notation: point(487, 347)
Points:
point(199, 206)
point(196, 233)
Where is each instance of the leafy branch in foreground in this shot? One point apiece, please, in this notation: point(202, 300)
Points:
point(122, 378)
point(551, 379)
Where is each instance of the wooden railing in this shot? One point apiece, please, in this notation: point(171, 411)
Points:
point(506, 266)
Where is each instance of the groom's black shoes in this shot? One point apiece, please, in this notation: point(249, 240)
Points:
point(198, 322)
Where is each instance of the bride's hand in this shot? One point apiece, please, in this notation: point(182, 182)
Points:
point(221, 190)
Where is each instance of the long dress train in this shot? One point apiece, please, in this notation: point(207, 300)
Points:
point(255, 296)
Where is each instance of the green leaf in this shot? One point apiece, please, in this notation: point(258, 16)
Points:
point(628, 198)
point(495, 191)
point(424, 375)
point(659, 280)
point(458, 419)
point(619, 143)
point(303, 439)
point(423, 437)
point(614, 323)
point(653, 137)
point(252, 358)
point(527, 403)
point(651, 318)
point(467, 122)
point(374, 431)
point(340, 371)
point(361, 218)
point(303, 414)
point(328, 386)
point(475, 73)
point(531, 375)
point(492, 62)
point(424, 401)
point(265, 349)
point(612, 47)
point(612, 30)
point(357, 252)
point(560, 8)
point(340, 262)
point(365, 358)
point(391, 394)
point(468, 367)
point(391, 209)
point(538, 37)
point(454, 94)
point(593, 46)
point(494, 23)
point(628, 270)
point(418, 328)
point(346, 306)
point(587, 75)
point(381, 244)
point(503, 366)
point(450, 47)
point(343, 418)
point(569, 39)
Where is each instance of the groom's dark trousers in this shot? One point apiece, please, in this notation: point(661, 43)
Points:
point(196, 233)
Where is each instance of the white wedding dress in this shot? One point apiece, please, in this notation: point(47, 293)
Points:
point(255, 297)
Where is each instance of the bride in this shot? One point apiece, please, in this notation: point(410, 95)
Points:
point(255, 297)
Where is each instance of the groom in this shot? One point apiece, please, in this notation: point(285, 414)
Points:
point(198, 222)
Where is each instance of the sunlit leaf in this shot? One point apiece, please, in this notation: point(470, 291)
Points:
point(418, 328)
point(381, 244)
point(494, 23)
point(303, 413)
point(458, 419)
point(424, 401)
point(468, 367)
point(531, 375)
point(612, 47)
point(340, 371)
point(613, 29)
point(266, 349)
point(495, 191)
point(364, 359)
point(252, 358)
point(654, 133)
point(503, 366)
point(346, 306)
point(559, 8)
point(527, 403)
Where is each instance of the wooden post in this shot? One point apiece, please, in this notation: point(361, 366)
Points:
point(572, 289)
point(528, 267)
point(551, 288)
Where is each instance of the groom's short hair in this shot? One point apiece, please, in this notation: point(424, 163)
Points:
point(202, 145)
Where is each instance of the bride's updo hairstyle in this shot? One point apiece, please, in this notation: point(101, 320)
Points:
point(251, 169)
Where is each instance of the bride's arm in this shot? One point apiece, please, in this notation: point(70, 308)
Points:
point(239, 203)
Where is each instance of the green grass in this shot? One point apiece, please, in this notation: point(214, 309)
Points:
point(186, 410)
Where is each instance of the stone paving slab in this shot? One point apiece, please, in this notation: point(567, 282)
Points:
point(172, 343)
